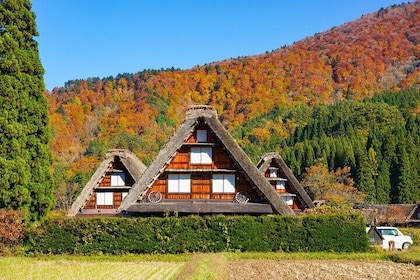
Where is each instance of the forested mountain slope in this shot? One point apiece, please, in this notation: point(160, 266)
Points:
point(378, 52)
point(378, 138)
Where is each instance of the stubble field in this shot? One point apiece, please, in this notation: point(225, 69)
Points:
point(322, 269)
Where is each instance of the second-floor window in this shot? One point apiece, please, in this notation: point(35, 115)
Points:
point(201, 155)
point(117, 179)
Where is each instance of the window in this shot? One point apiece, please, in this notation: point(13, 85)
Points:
point(201, 135)
point(391, 232)
point(117, 179)
point(201, 155)
point(179, 183)
point(105, 198)
point(288, 200)
point(123, 195)
point(223, 183)
point(273, 173)
point(280, 185)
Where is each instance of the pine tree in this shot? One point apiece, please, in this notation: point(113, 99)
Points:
point(25, 156)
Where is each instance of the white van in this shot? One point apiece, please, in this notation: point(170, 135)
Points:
point(401, 241)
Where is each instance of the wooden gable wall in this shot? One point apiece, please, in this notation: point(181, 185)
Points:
point(105, 186)
point(201, 174)
point(297, 204)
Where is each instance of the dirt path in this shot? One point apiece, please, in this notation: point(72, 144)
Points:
point(322, 269)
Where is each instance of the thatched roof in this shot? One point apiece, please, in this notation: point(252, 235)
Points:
point(133, 165)
point(388, 214)
point(240, 159)
point(297, 189)
point(411, 217)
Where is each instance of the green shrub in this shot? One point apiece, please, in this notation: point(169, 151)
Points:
point(337, 232)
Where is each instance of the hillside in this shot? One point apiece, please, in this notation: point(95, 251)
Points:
point(378, 52)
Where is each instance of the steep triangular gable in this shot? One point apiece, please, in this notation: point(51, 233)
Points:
point(240, 159)
point(414, 215)
point(293, 183)
point(132, 164)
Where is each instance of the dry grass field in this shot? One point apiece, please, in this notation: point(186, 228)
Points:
point(207, 266)
point(29, 268)
point(377, 264)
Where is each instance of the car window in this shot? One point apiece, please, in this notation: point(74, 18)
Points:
point(390, 231)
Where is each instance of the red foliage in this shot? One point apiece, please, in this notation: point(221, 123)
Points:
point(12, 228)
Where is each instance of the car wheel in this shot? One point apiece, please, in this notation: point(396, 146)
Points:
point(406, 245)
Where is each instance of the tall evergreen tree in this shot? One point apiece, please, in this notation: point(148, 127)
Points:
point(383, 184)
point(25, 155)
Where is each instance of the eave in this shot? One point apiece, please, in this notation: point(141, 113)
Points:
point(200, 207)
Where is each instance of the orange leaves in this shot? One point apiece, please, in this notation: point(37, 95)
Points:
point(355, 60)
point(262, 134)
point(336, 188)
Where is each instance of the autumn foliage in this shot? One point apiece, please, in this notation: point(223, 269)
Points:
point(12, 228)
point(378, 52)
point(336, 188)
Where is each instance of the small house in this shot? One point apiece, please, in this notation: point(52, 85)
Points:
point(281, 178)
point(109, 185)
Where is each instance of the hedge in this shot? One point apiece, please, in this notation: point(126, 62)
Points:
point(338, 233)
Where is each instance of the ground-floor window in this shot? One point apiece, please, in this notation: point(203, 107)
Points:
point(288, 200)
point(105, 198)
point(179, 183)
point(223, 183)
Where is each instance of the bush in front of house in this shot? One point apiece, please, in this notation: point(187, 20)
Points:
point(12, 229)
point(309, 233)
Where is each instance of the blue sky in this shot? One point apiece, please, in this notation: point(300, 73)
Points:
point(100, 38)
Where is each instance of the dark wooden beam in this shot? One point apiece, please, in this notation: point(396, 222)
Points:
point(194, 207)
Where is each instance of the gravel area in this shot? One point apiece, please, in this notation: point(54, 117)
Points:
point(321, 269)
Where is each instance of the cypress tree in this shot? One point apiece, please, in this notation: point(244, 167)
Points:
point(383, 184)
point(25, 155)
point(408, 175)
